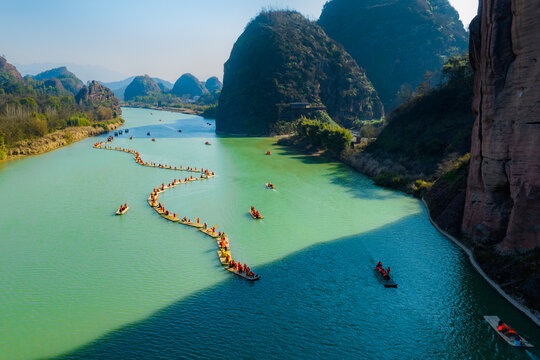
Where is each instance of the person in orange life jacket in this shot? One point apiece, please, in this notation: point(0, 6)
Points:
point(503, 327)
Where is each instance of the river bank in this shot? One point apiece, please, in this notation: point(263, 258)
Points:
point(444, 201)
point(55, 140)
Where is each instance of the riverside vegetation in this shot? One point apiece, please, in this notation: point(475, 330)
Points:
point(31, 109)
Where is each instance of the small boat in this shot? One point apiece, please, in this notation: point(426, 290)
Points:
point(270, 186)
point(209, 232)
point(254, 216)
point(207, 143)
point(127, 130)
point(148, 133)
point(494, 322)
point(122, 212)
point(388, 283)
point(243, 274)
point(179, 130)
point(120, 132)
point(268, 153)
point(222, 259)
point(159, 119)
point(131, 138)
point(154, 139)
point(116, 133)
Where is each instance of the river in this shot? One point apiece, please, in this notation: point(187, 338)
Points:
point(77, 282)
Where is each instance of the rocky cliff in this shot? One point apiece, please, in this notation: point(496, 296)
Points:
point(283, 58)
point(7, 68)
point(95, 95)
point(503, 195)
point(141, 86)
point(395, 41)
point(188, 85)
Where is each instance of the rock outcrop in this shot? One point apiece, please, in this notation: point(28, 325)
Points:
point(141, 86)
point(395, 41)
point(69, 81)
point(7, 68)
point(502, 206)
point(188, 85)
point(95, 95)
point(283, 61)
point(213, 84)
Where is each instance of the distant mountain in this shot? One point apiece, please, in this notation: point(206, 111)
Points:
point(119, 87)
point(141, 86)
point(283, 61)
point(69, 81)
point(213, 84)
point(188, 85)
point(84, 72)
point(395, 41)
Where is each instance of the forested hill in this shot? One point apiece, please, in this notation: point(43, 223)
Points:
point(395, 41)
point(141, 86)
point(283, 58)
point(68, 79)
point(32, 108)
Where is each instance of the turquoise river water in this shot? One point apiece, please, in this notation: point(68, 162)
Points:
point(77, 282)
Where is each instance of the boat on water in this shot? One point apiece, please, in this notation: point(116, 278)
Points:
point(131, 138)
point(387, 282)
point(254, 215)
point(207, 143)
point(116, 133)
point(154, 139)
point(270, 186)
point(127, 130)
point(148, 133)
point(179, 130)
point(120, 132)
point(510, 336)
point(268, 153)
point(122, 211)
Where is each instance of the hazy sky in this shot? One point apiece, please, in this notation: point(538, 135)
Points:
point(162, 38)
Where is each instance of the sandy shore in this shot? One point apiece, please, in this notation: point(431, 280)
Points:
point(54, 141)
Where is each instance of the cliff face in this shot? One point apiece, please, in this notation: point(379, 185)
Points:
point(7, 68)
point(141, 86)
point(96, 95)
point(503, 195)
point(395, 41)
point(283, 58)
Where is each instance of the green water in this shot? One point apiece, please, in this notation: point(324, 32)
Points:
point(79, 282)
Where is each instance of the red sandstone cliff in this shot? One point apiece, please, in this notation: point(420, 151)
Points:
point(503, 195)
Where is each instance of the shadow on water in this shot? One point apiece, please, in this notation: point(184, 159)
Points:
point(359, 186)
point(325, 303)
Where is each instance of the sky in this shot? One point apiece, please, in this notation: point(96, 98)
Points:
point(162, 38)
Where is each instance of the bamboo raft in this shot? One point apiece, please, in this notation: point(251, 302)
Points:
point(270, 186)
point(118, 212)
point(154, 196)
point(388, 283)
point(254, 216)
point(494, 322)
